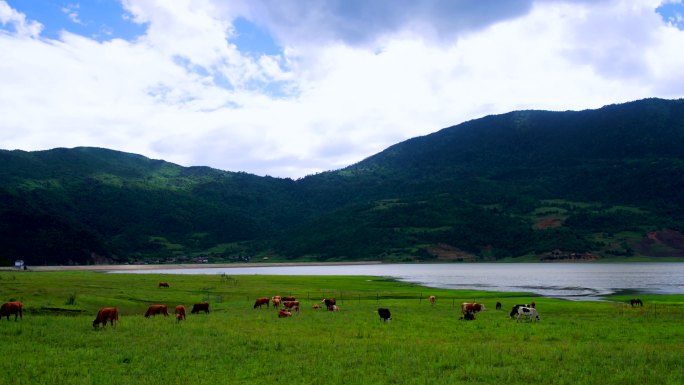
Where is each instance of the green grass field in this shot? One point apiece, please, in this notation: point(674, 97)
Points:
point(575, 342)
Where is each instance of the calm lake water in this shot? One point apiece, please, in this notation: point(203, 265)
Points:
point(576, 281)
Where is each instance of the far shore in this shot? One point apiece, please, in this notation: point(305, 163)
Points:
point(184, 266)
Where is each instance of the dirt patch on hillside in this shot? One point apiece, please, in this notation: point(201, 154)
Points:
point(548, 222)
point(663, 243)
point(445, 252)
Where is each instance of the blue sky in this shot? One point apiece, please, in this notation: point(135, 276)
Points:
point(97, 19)
point(293, 87)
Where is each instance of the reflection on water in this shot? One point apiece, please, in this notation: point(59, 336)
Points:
point(579, 281)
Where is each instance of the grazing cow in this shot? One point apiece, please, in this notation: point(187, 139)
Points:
point(180, 312)
point(163, 284)
point(153, 310)
point(260, 302)
point(329, 302)
point(334, 308)
point(498, 306)
point(468, 316)
point(432, 299)
point(284, 313)
point(276, 301)
point(8, 308)
point(291, 305)
point(198, 307)
point(472, 307)
point(316, 306)
point(528, 312)
point(384, 314)
point(635, 302)
point(288, 298)
point(514, 310)
point(105, 314)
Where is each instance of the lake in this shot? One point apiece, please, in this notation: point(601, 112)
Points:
point(575, 281)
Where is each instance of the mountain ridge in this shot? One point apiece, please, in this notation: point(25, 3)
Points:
point(521, 184)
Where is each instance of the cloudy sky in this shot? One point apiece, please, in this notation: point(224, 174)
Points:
point(289, 88)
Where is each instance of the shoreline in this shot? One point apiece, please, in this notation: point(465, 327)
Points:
point(185, 266)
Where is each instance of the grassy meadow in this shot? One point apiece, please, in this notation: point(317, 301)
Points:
point(575, 342)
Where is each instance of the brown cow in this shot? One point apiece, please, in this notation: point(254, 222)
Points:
point(198, 307)
point(8, 308)
point(284, 313)
point(288, 298)
point(472, 307)
point(291, 305)
point(316, 306)
point(180, 312)
point(163, 284)
point(432, 299)
point(153, 310)
point(276, 301)
point(261, 301)
point(105, 314)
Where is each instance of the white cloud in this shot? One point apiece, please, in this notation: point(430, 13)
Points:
point(18, 21)
point(347, 85)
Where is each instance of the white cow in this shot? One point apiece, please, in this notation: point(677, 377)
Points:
point(527, 312)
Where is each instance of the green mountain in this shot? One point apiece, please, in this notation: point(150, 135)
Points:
point(522, 185)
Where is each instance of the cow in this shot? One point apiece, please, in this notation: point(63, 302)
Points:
point(514, 310)
point(472, 307)
point(180, 312)
point(636, 302)
point(153, 310)
point(432, 299)
point(284, 313)
point(329, 302)
point(291, 305)
point(163, 284)
point(316, 306)
point(15, 308)
point(105, 314)
point(468, 316)
point(288, 298)
point(528, 312)
point(198, 307)
point(276, 301)
point(384, 314)
point(498, 306)
point(260, 302)
point(334, 308)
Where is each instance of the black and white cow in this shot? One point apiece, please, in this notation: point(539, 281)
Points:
point(528, 312)
point(514, 311)
point(384, 314)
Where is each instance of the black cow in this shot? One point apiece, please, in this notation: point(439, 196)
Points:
point(329, 303)
point(468, 316)
point(384, 314)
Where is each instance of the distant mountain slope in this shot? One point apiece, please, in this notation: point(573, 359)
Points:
point(532, 184)
point(488, 186)
point(128, 206)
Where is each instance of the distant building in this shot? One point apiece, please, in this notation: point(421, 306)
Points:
point(19, 263)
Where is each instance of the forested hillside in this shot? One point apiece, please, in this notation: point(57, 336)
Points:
point(523, 185)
